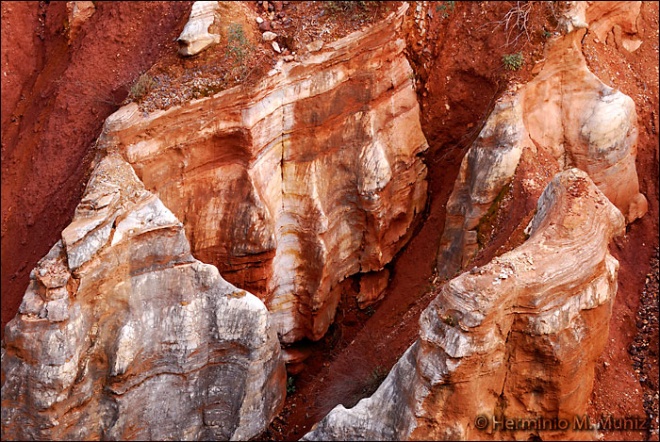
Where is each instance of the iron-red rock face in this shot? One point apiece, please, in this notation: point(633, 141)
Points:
point(565, 115)
point(293, 185)
point(518, 337)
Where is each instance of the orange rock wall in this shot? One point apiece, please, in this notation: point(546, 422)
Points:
point(293, 185)
point(565, 115)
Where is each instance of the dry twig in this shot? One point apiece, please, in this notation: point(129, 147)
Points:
point(516, 22)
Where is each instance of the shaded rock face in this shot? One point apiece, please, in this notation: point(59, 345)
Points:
point(518, 337)
point(293, 185)
point(122, 334)
point(565, 116)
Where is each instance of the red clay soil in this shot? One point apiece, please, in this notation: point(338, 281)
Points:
point(55, 98)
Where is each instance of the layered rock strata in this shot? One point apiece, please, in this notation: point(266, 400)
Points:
point(294, 184)
point(516, 338)
point(122, 334)
point(566, 115)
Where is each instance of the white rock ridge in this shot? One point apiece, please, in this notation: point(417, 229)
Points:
point(565, 114)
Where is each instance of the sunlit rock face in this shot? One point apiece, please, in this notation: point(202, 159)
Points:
point(566, 115)
point(518, 337)
point(614, 22)
point(122, 334)
point(197, 35)
point(294, 184)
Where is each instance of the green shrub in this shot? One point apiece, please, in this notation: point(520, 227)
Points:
point(445, 8)
point(238, 46)
point(142, 86)
point(513, 62)
point(290, 387)
point(449, 320)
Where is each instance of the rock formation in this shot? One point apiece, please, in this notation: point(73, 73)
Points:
point(565, 115)
point(196, 35)
point(294, 184)
point(122, 334)
point(516, 338)
point(615, 20)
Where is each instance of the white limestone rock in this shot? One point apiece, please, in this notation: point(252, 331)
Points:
point(195, 36)
point(136, 339)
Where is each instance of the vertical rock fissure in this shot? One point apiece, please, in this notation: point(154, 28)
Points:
point(282, 156)
point(502, 401)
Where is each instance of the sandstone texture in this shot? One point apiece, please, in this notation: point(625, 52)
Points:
point(608, 20)
point(122, 334)
point(518, 337)
point(372, 287)
point(196, 35)
point(566, 116)
point(294, 184)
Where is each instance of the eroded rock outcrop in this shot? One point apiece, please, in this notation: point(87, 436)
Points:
point(518, 337)
point(610, 21)
point(122, 334)
point(294, 184)
point(566, 115)
point(79, 13)
point(197, 35)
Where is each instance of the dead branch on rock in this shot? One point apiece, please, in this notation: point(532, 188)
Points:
point(516, 22)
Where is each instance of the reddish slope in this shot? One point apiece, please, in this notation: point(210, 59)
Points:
point(55, 99)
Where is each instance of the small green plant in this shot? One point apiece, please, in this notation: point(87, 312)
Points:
point(488, 223)
point(513, 62)
point(290, 385)
point(142, 86)
point(238, 46)
point(445, 8)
